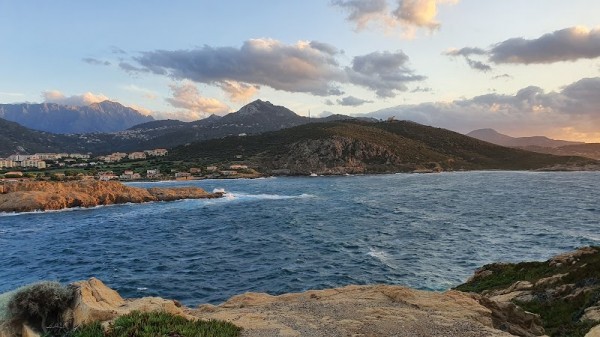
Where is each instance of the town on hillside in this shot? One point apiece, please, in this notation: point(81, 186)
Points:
point(143, 165)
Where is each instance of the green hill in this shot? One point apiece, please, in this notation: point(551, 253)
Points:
point(359, 147)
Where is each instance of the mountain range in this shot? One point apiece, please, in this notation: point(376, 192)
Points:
point(256, 117)
point(539, 144)
point(495, 137)
point(105, 116)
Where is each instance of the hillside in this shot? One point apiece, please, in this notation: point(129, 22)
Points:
point(105, 116)
point(18, 139)
point(495, 137)
point(360, 147)
point(589, 150)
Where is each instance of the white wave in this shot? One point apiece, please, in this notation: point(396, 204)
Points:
point(142, 288)
point(244, 196)
point(382, 257)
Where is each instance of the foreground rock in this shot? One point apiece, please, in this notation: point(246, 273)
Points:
point(25, 196)
point(378, 310)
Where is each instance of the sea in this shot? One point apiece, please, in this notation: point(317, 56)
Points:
point(291, 234)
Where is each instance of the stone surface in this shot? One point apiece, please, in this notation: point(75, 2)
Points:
point(97, 302)
point(378, 310)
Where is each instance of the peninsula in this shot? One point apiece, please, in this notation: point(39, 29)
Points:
point(27, 196)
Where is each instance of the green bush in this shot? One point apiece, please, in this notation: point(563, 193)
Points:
point(40, 304)
point(157, 324)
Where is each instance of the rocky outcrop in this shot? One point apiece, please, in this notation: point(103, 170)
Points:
point(96, 302)
point(378, 310)
point(24, 196)
point(564, 291)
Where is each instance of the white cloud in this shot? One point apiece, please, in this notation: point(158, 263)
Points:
point(55, 96)
point(408, 14)
point(238, 92)
point(186, 96)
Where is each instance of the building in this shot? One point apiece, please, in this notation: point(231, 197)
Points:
point(183, 175)
point(212, 168)
point(130, 175)
point(195, 170)
point(79, 156)
point(39, 164)
point(7, 163)
point(156, 152)
point(48, 156)
point(136, 155)
point(21, 157)
point(152, 173)
point(238, 167)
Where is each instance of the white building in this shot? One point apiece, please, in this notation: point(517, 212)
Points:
point(7, 163)
point(40, 164)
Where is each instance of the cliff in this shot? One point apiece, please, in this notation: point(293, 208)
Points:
point(25, 196)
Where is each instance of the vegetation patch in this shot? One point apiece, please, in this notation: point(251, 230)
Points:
point(157, 324)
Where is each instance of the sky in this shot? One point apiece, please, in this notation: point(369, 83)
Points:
point(521, 67)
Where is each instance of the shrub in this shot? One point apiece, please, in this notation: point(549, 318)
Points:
point(137, 324)
point(40, 304)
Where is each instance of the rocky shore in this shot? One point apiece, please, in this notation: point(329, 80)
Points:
point(558, 297)
point(26, 196)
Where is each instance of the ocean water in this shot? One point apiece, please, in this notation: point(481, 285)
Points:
point(281, 235)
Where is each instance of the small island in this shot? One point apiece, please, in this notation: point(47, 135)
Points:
point(28, 196)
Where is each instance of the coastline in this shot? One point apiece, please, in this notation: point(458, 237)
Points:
point(31, 196)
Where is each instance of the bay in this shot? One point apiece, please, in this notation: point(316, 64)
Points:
point(281, 235)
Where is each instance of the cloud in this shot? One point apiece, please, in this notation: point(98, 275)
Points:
point(466, 54)
point(130, 68)
point(362, 12)
point(55, 96)
point(187, 96)
point(352, 101)
point(306, 67)
point(302, 67)
point(531, 111)
point(569, 44)
point(386, 73)
point(420, 13)
point(409, 14)
point(95, 62)
point(239, 92)
point(503, 76)
point(117, 50)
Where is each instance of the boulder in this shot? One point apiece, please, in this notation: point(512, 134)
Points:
point(97, 302)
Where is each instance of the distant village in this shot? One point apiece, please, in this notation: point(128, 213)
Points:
point(19, 166)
